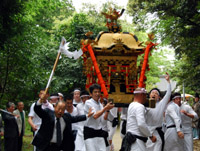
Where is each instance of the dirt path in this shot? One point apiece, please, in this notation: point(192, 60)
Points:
point(117, 142)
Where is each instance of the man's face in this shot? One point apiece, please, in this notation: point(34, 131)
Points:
point(54, 100)
point(178, 101)
point(154, 95)
point(85, 98)
point(11, 108)
point(20, 106)
point(196, 99)
point(42, 93)
point(69, 104)
point(61, 98)
point(59, 109)
point(96, 93)
point(77, 96)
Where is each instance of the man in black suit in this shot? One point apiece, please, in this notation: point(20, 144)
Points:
point(11, 131)
point(55, 133)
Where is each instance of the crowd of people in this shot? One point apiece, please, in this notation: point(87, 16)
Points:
point(84, 121)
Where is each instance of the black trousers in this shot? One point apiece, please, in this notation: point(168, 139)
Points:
point(11, 144)
point(51, 147)
point(20, 142)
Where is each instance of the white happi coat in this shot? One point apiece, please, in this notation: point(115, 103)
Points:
point(96, 143)
point(136, 125)
point(79, 142)
point(187, 126)
point(112, 130)
point(123, 117)
point(154, 119)
point(173, 117)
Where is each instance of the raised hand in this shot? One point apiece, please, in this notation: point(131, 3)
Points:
point(109, 106)
point(167, 77)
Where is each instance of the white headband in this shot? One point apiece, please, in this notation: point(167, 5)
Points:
point(156, 91)
point(142, 90)
point(176, 97)
point(77, 90)
point(54, 97)
point(84, 96)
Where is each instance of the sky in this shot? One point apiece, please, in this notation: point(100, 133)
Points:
point(98, 3)
point(78, 3)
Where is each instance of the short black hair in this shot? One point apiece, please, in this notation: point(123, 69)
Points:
point(94, 86)
point(68, 97)
point(196, 95)
point(9, 104)
point(156, 90)
point(54, 94)
point(84, 92)
point(175, 94)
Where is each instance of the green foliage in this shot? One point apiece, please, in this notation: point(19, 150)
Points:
point(176, 23)
point(27, 48)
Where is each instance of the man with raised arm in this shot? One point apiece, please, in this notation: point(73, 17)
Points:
point(55, 133)
point(155, 116)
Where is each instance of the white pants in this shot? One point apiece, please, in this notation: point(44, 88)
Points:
point(112, 130)
point(95, 144)
point(188, 142)
point(157, 146)
point(172, 141)
point(79, 142)
point(139, 145)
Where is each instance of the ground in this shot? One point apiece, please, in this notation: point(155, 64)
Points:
point(117, 142)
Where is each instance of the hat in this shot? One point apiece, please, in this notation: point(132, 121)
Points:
point(60, 94)
point(140, 90)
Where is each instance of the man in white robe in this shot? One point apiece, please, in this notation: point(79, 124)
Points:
point(94, 141)
point(187, 114)
point(137, 129)
point(173, 135)
point(155, 117)
point(79, 142)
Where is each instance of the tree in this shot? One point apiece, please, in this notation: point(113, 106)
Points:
point(177, 24)
point(26, 46)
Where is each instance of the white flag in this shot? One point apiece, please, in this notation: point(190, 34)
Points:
point(64, 49)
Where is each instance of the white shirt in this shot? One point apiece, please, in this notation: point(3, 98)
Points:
point(124, 113)
point(80, 108)
point(76, 103)
point(113, 111)
point(187, 121)
point(96, 106)
point(62, 124)
point(136, 122)
point(36, 119)
point(173, 116)
point(74, 113)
